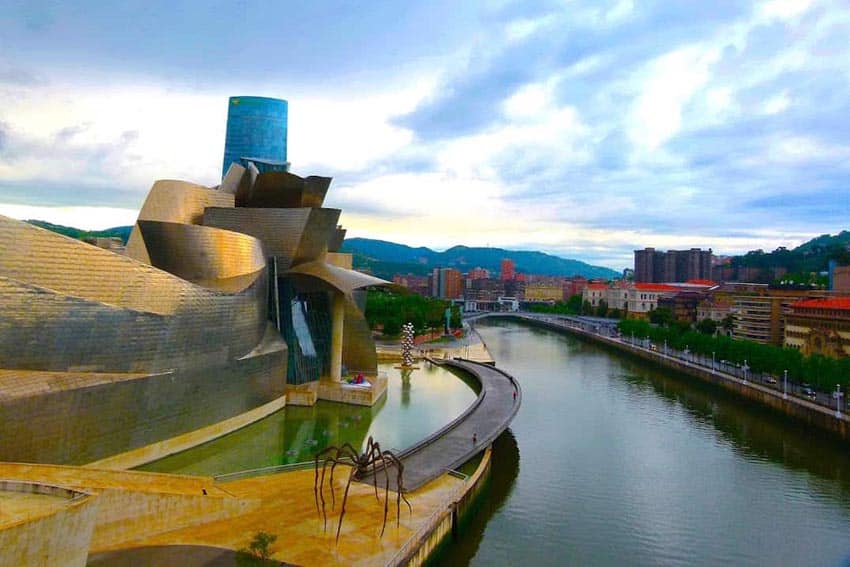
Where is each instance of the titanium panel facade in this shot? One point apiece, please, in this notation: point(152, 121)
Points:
point(102, 353)
point(174, 201)
point(291, 235)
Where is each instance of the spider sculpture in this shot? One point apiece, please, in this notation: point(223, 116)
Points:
point(371, 460)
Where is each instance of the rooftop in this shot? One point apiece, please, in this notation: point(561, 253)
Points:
point(655, 287)
point(840, 303)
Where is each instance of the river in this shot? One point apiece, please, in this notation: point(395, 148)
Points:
point(611, 461)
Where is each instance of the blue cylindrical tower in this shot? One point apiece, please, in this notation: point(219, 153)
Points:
point(256, 129)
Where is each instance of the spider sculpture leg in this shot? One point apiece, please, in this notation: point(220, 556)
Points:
point(387, 488)
point(399, 485)
point(331, 456)
point(346, 451)
point(318, 486)
point(344, 500)
point(370, 450)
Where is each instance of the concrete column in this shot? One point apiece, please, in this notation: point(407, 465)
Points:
point(338, 317)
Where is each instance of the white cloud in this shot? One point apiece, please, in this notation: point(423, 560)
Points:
point(518, 30)
point(347, 133)
point(125, 136)
point(86, 218)
point(667, 84)
point(621, 11)
point(776, 104)
point(791, 149)
point(785, 9)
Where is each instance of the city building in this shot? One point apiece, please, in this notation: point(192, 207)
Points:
point(819, 326)
point(643, 298)
point(446, 283)
point(484, 290)
point(654, 266)
point(256, 132)
point(594, 293)
point(713, 308)
point(544, 291)
point(417, 284)
point(618, 295)
point(683, 305)
point(573, 286)
point(478, 274)
point(508, 270)
point(758, 310)
point(840, 279)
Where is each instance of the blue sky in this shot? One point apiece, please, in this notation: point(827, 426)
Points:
point(584, 129)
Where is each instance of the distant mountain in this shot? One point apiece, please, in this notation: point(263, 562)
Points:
point(385, 259)
point(122, 232)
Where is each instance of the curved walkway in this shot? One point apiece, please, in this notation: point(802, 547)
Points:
point(466, 436)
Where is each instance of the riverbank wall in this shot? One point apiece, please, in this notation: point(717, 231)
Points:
point(812, 415)
point(445, 522)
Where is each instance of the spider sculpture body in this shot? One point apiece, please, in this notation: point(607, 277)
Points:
point(371, 460)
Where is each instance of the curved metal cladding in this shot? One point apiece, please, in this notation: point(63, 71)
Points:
point(178, 202)
point(210, 257)
point(70, 305)
point(280, 190)
point(315, 190)
point(344, 281)
point(100, 353)
point(358, 346)
point(256, 128)
point(291, 235)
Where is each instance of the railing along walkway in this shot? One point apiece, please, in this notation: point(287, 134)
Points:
point(467, 435)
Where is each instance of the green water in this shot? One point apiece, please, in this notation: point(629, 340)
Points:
point(612, 461)
point(417, 403)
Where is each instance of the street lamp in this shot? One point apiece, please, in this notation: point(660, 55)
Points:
point(838, 394)
point(744, 368)
point(785, 385)
point(665, 347)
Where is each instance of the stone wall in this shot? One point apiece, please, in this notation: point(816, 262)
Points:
point(58, 538)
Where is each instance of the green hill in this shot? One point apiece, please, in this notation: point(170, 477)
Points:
point(384, 259)
point(811, 256)
point(122, 232)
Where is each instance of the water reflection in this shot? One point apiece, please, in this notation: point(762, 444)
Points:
point(418, 402)
point(749, 428)
point(500, 484)
point(405, 386)
point(625, 464)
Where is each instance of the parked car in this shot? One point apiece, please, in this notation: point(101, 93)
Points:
point(808, 392)
point(769, 380)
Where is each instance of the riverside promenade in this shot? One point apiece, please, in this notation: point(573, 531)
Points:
point(467, 435)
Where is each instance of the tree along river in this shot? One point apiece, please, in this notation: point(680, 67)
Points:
point(612, 461)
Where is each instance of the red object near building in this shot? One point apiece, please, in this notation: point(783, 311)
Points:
point(508, 270)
